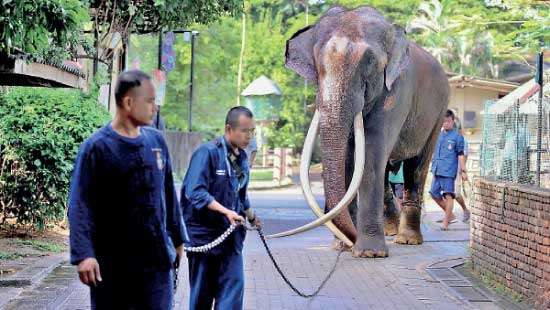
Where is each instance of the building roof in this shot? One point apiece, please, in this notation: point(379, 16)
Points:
point(526, 95)
point(262, 86)
point(17, 70)
point(462, 81)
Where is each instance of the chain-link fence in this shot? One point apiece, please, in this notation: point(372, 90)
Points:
point(516, 141)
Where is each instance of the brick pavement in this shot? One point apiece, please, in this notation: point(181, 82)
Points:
point(400, 281)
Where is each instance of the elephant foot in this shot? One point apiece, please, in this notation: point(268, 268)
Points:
point(390, 226)
point(339, 245)
point(409, 225)
point(370, 247)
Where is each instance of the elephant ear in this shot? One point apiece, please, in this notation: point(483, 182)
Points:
point(398, 56)
point(299, 54)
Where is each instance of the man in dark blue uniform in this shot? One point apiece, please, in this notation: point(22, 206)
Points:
point(447, 158)
point(126, 227)
point(214, 196)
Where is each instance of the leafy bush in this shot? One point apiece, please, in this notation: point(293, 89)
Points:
point(40, 132)
point(49, 29)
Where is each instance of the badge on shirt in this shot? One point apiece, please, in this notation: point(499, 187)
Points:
point(220, 172)
point(450, 147)
point(160, 161)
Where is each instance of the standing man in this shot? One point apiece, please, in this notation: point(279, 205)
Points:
point(214, 196)
point(251, 150)
point(448, 159)
point(396, 182)
point(459, 186)
point(126, 228)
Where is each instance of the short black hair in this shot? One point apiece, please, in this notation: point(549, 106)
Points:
point(232, 118)
point(128, 80)
point(450, 114)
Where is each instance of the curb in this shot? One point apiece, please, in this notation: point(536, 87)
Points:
point(33, 273)
point(252, 187)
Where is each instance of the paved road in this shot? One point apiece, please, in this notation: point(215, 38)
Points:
point(401, 281)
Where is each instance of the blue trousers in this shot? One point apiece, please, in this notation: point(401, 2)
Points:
point(140, 290)
point(216, 279)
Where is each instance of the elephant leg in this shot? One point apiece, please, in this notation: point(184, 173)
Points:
point(391, 214)
point(415, 171)
point(370, 240)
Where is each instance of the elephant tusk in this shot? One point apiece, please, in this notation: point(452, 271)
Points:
point(352, 189)
point(304, 178)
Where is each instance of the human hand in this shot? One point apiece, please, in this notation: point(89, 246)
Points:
point(88, 271)
point(180, 251)
point(233, 217)
point(464, 175)
point(256, 222)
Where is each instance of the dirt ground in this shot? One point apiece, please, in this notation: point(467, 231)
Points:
point(20, 247)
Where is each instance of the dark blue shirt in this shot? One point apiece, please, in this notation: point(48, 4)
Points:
point(123, 207)
point(450, 145)
point(211, 177)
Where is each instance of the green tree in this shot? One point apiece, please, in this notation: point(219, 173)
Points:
point(216, 61)
point(48, 29)
point(149, 16)
point(474, 37)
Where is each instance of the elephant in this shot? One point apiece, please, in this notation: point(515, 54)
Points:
point(380, 101)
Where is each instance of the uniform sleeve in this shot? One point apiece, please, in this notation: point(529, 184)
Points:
point(243, 195)
point(81, 209)
point(253, 145)
point(174, 219)
point(197, 179)
point(460, 145)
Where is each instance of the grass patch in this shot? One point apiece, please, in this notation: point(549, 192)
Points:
point(261, 175)
point(43, 246)
point(490, 281)
point(10, 256)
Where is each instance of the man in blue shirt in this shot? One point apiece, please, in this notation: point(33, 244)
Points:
point(448, 156)
point(213, 196)
point(126, 227)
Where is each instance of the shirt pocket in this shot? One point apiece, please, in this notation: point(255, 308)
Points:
point(449, 148)
point(220, 183)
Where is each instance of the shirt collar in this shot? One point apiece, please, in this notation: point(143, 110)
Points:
point(229, 149)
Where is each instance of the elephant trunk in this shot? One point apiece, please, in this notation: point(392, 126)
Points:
point(334, 135)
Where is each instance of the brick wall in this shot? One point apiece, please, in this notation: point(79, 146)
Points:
point(510, 237)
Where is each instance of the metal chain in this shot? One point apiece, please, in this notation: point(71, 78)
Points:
point(297, 291)
point(220, 239)
point(209, 246)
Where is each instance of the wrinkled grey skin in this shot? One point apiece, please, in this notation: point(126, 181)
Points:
point(361, 62)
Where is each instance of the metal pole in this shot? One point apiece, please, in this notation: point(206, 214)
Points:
point(539, 129)
point(193, 34)
point(159, 66)
point(306, 3)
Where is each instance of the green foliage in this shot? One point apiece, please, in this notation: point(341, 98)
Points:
point(9, 256)
point(216, 61)
point(40, 132)
point(261, 175)
point(473, 38)
point(48, 29)
point(153, 15)
point(490, 281)
point(42, 246)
